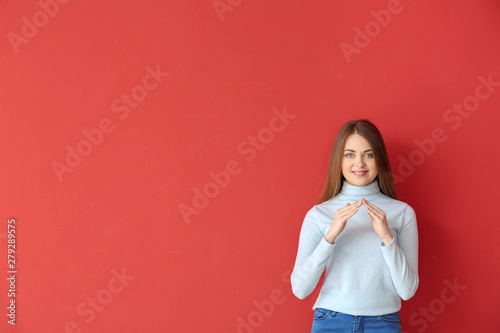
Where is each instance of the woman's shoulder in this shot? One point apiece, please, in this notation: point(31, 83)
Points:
point(386, 198)
point(321, 209)
point(397, 203)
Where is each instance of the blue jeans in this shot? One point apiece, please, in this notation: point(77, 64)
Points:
point(327, 321)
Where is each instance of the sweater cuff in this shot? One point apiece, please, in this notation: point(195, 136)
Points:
point(388, 246)
point(323, 250)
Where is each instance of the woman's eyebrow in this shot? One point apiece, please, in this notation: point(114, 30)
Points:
point(355, 151)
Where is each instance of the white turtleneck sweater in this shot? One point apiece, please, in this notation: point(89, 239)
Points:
point(363, 276)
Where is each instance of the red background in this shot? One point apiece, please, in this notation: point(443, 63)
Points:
point(120, 207)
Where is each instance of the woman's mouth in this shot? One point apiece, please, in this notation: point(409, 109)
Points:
point(360, 173)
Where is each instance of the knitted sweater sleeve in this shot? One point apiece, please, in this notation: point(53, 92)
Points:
point(401, 256)
point(312, 256)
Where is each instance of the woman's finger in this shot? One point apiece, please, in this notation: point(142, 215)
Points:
point(373, 211)
point(368, 203)
point(347, 215)
point(348, 211)
point(375, 215)
point(350, 214)
point(374, 208)
point(372, 214)
point(349, 207)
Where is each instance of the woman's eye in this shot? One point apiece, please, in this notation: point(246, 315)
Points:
point(369, 155)
point(349, 155)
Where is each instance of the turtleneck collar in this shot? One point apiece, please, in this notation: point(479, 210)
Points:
point(360, 191)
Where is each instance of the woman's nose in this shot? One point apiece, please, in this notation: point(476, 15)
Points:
point(359, 162)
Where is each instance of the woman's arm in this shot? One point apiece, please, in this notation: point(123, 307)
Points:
point(315, 249)
point(312, 256)
point(402, 256)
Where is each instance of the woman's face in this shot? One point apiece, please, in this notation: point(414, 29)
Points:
point(358, 164)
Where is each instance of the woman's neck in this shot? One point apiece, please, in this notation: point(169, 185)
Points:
point(358, 192)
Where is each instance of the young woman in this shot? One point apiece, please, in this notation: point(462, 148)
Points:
point(365, 238)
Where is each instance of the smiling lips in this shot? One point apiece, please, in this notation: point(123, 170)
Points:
point(360, 173)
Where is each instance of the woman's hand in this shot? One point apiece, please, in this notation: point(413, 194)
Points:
point(379, 221)
point(340, 220)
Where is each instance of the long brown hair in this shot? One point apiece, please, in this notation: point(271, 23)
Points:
point(335, 179)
